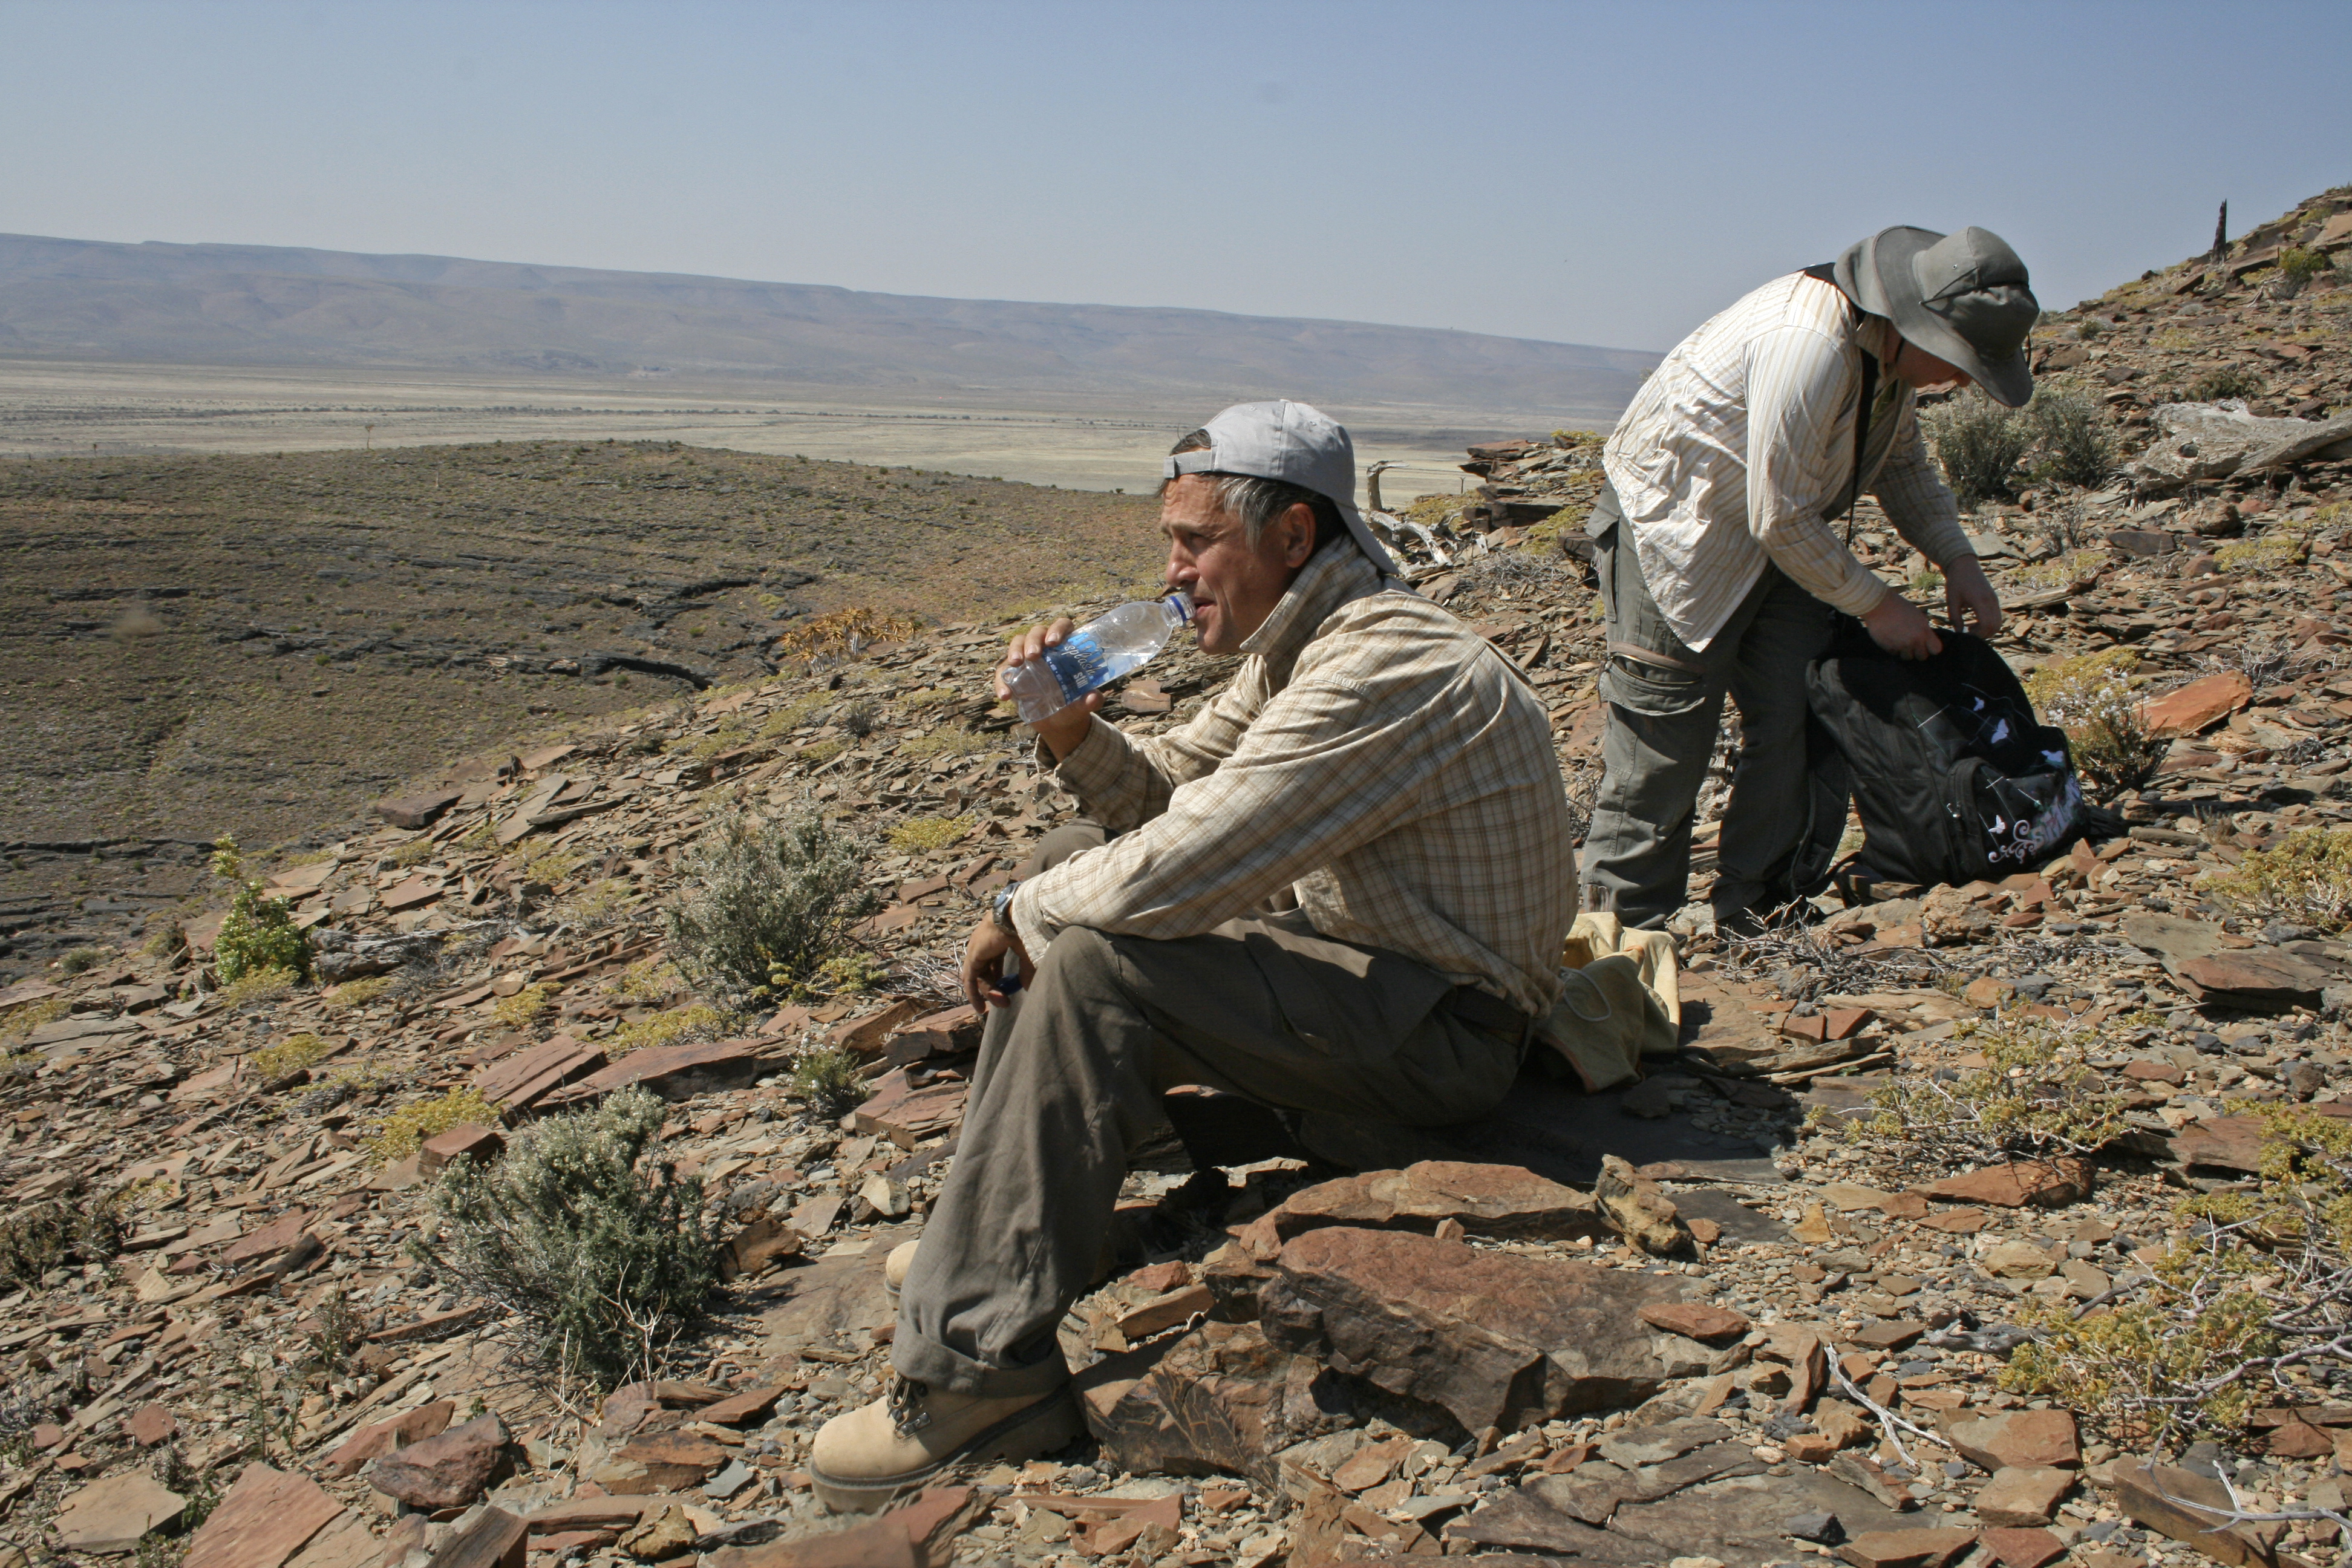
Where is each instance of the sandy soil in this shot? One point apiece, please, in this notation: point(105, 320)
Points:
point(50, 408)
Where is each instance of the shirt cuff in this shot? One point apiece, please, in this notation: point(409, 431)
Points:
point(1094, 765)
point(1029, 922)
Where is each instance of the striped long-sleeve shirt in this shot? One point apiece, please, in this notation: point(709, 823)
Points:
point(1375, 759)
point(1739, 449)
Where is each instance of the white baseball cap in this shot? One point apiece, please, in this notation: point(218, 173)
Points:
point(1291, 442)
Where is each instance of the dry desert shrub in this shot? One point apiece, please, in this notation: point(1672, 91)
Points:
point(2306, 877)
point(2091, 697)
point(586, 1233)
point(770, 903)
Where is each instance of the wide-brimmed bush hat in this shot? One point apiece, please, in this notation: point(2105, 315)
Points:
point(1961, 296)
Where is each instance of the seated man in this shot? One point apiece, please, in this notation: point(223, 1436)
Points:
point(1344, 886)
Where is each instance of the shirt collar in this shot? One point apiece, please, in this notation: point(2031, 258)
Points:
point(1330, 578)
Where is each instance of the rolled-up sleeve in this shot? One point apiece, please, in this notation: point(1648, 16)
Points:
point(1918, 503)
point(1323, 769)
point(1798, 464)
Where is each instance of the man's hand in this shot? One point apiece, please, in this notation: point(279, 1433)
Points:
point(1969, 596)
point(983, 964)
point(1065, 731)
point(1902, 628)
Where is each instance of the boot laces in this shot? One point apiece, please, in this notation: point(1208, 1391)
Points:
point(910, 1413)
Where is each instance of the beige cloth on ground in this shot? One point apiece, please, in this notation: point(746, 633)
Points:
point(1620, 1000)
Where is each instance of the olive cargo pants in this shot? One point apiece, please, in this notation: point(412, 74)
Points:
point(1665, 703)
point(1070, 1078)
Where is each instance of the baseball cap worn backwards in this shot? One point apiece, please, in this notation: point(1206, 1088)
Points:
point(1961, 296)
point(1295, 444)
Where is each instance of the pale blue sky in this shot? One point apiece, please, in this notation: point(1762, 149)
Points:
point(1588, 172)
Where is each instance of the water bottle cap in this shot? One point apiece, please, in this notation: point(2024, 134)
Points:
point(1182, 603)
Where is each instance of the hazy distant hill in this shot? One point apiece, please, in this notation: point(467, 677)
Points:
point(225, 304)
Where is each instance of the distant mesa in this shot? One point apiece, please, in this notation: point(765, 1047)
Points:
point(241, 304)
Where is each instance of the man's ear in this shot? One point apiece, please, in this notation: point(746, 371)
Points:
point(1297, 534)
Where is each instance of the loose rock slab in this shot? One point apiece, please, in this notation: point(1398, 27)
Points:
point(109, 1516)
point(1496, 1339)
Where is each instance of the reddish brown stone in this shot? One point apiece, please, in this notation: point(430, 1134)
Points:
point(2041, 1183)
point(109, 1516)
point(2021, 1548)
point(445, 1471)
point(266, 1517)
point(2023, 1495)
point(467, 1140)
point(518, 1082)
point(1220, 1398)
point(149, 1424)
point(2248, 976)
point(380, 1437)
point(496, 1539)
point(674, 1072)
point(2153, 1072)
point(1487, 1200)
point(2016, 1438)
point(661, 1462)
point(736, 1408)
point(267, 1242)
point(1697, 1319)
point(1907, 1548)
point(919, 1534)
point(2299, 1440)
point(2200, 704)
point(414, 811)
point(1498, 1339)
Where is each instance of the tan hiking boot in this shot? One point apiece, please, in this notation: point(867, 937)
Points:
point(895, 1267)
point(866, 1458)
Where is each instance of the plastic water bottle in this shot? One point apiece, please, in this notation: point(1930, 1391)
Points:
point(1096, 654)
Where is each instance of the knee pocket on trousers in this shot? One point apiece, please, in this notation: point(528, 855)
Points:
point(1655, 690)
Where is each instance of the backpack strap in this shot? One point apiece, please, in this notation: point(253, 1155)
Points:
point(1826, 272)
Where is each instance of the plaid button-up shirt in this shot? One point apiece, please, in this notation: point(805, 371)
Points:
point(1373, 758)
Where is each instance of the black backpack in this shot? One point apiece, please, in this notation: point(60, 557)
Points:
point(1955, 777)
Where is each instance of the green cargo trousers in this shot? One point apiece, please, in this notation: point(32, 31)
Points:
point(1665, 703)
point(1069, 1081)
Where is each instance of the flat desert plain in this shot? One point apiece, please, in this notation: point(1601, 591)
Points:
point(53, 408)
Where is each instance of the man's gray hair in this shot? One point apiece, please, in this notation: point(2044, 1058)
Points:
point(1258, 501)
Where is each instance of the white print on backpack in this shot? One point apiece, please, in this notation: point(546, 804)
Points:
point(2029, 835)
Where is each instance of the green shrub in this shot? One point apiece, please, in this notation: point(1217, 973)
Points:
point(768, 899)
point(258, 934)
point(2299, 265)
point(292, 1054)
point(68, 1229)
point(2228, 381)
point(2308, 876)
point(828, 1080)
point(584, 1231)
point(2074, 442)
point(1979, 443)
point(81, 960)
point(2091, 697)
point(923, 833)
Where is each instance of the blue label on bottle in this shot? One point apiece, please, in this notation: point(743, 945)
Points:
point(1080, 664)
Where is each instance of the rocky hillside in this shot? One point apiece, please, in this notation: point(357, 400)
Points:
point(1944, 1240)
point(262, 645)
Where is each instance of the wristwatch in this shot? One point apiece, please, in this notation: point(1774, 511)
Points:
point(1001, 907)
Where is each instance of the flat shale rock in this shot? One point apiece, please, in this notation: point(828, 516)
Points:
point(1220, 1398)
point(1907, 1548)
point(660, 1462)
point(831, 1296)
point(2040, 1183)
point(380, 1437)
point(2044, 1438)
point(447, 1471)
point(2023, 1495)
point(109, 1516)
point(266, 1517)
point(1496, 1339)
point(1487, 1200)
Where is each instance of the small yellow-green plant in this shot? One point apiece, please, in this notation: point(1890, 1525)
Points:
point(415, 852)
point(2035, 1098)
point(524, 1008)
point(550, 865)
point(81, 960)
point(794, 714)
point(409, 1126)
point(2063, 571)
point(697, 1021)
point(947, 741)
point(829, 1081)
point(258, 986)
point(2226, 381)
point(480, 836)
point(2091, 697)
point(851, 974)
point(20, 1022)
point(2300, 263)
point(2269, 553)
point(2307, 876)
point(289, 1057)
point(258, 932)
point(1577, 440)
point(1926, 583)
point(2249, 1300)
point(925, 834)
point(597, 905)
point(357, 993)
point(647, 980)
point(817, 754)
point(166, 937)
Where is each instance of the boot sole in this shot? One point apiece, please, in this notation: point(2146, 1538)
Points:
point(1051, 1422)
